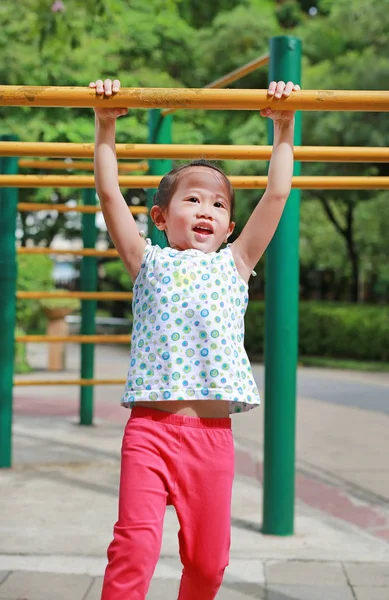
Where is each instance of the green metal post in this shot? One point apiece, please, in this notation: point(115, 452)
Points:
point(281, 329)
point(88, 308)
point(8, 270)
point(160, 132)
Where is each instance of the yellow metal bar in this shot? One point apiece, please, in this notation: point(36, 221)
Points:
point(238, 182)
point(28, 382)
point(321, 100)
point(186, 151)
point(77, 165)
point(79, 339)
point(74, 181)
point(235, 75)
point(36, 206)
point(52, 149)
point(81, 252)
point(80, 295)
point(342, 154)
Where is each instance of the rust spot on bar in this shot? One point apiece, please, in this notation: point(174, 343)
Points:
point(323, 95)
point(31, 93)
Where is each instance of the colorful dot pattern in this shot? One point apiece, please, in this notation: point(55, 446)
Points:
point(188, 330)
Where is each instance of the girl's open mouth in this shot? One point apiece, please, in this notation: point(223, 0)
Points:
point(203, 231)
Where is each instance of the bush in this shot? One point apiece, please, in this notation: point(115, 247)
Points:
point(20, 360)
point(344, 331)
point(34, 274)
point(73, 304)
point(117, 279)
point(350, 331)
point(117, 275)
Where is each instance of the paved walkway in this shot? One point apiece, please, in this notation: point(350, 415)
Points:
point(59, 501)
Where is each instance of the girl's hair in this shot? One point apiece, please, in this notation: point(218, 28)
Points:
point(169, 182)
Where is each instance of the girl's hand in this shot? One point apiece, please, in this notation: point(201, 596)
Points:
point(107, 88)
point(280, 90)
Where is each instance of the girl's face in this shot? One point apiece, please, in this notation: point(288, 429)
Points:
point(198, 215)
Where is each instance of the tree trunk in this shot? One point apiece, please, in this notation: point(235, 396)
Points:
point(354, 284)
point(353, 254)
point(347, 232)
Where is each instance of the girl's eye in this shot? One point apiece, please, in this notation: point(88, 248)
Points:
point(219, 205)
point(193, 199)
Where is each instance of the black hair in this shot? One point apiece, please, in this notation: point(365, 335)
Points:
point(169, 182)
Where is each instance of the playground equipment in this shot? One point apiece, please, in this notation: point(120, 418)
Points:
point(238, 182)
point(282, 254)
point(181, 151)
point(56, 165)
point(208, 99)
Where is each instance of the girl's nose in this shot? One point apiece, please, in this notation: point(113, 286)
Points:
point(204, 211)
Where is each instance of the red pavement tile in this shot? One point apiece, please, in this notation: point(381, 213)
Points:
point(327, 498)
point(38, 407)
point(66, 407)
point(382, 533)
point(338, 503)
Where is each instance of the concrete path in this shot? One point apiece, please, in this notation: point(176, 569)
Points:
point(59, 501)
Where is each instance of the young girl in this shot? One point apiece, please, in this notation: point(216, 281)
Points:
point(188, 367)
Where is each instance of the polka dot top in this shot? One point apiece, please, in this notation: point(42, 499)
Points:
point(188, 330)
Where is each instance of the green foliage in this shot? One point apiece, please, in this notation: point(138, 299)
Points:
point(165, 43)
point(345, 47)
point(21, 363)
point(116, 278)
point(358, 332)
point(320, 246)
point(73, 304)
point(117, 274)
point(198, 14)
point(234, 38)
point(34, 274)
point(289, 14)
point(349, 331)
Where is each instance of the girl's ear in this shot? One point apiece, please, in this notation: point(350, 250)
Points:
point(231, 228)
point(158, 218)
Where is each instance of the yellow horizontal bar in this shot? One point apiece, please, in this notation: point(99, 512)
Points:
point(186, 151)
point(238, 182)
point(82, 382)
point(234, 75)
point(75, 181)
point(81, 252)
point(80, 295)
point(77, 165)
point(345, 154)
point(79, 339)
point(52, 149)
point(62, 208)
point(321, 100)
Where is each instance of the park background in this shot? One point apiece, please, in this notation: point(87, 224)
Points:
point(344, 242)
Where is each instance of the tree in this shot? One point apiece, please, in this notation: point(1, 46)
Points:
point(347, 49)
point(185, 43)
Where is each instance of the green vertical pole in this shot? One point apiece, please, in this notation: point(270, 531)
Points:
point(160, 132)
point(8, 209)
point(281, 329)
point(88, 308)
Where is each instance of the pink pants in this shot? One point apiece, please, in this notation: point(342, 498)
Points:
point(179, 460)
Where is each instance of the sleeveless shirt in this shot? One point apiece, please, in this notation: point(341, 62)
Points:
point(188, 330)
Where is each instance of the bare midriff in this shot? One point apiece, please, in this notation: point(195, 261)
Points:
point(211, 409)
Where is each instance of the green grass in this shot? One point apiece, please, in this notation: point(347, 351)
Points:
point(339, 363)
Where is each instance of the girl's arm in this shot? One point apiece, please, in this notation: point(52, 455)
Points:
point(120, 222)
point(262, 224)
